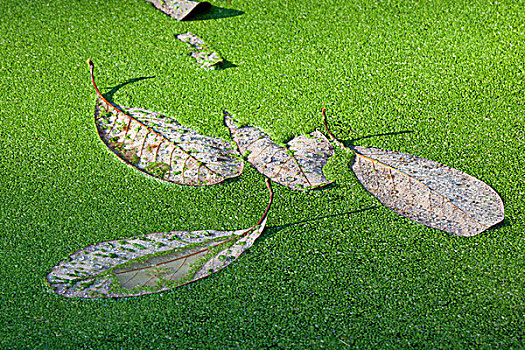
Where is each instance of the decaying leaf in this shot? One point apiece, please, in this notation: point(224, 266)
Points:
point(298, 166)
point(150, 263)
point(427, 192)
point(204, 55)
point(180, 9)
point(161, 147)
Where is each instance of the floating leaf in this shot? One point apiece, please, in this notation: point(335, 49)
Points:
point(298, 166)
point(161, 147)
point(200, 50)
point(150, 263)
point(427, 192)
point(180, 9)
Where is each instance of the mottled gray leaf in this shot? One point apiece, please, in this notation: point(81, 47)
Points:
point(151, 263)
point(179, 9)
point(298, 166)
point(161, 147)
point(203, 54)
point(428, 192)
point(425, 191)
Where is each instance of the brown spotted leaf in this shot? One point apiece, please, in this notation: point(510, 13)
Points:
point(161, 147)
point(150, 263)
point(428, 192)
point(180, 9)
point(298, 166)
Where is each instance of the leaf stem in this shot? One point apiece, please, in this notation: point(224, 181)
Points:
point(325, 122)
point(91, 68)
point(265, 214)
point(269, 186)
point(334, 139)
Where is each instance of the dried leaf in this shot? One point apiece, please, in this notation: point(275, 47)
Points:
point(298, 166)
point(204, 55)
point(428, 192)
point(161, 147)
point(425, 191)
point(179, 9)
point(151, 263)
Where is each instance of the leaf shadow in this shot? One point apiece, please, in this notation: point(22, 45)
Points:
point(502, 224)
point(225, 64)
point(109, 95)
point(213, 12)
point(274, 229)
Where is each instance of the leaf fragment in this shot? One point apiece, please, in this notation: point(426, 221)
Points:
point(180, 9)
point(299, 165)
point(150, 263)
point(161, 147)
point(203, 54)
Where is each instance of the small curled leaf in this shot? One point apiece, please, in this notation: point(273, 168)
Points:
point(298, 165)
point(150, 263)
